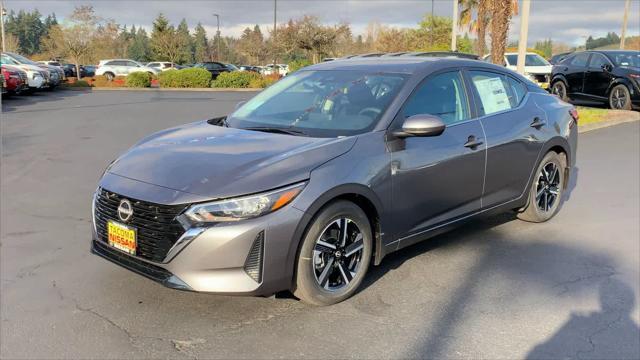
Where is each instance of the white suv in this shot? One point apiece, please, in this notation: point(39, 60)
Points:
point(121, 67)
point(162, 65)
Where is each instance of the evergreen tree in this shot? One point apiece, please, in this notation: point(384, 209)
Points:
point(140, 47)
point(184, 42)
point(28, 28)
point(200, 44)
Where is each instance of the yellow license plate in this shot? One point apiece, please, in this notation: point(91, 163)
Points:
point(544, 85)
point(122, 237)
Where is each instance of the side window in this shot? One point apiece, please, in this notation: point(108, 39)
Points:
point(518, 91)
point(442, 95)
point(130, 63)
point(580, 60)
point(597, 60)
point(113, 63)
point(492, 90)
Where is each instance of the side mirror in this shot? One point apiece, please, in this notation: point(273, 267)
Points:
point(421, 125)
point(239, 104)
point(607, 67)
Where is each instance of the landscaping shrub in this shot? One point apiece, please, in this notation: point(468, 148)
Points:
point(77, 83)
point(263, 81)
point(296, 65)
point(101, 81)
point(138, 79)
point(235, 79)
point(185, 78)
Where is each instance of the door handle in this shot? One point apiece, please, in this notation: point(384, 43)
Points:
point(538, 123)
point(473, 143)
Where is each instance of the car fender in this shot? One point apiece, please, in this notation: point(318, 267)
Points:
point(317, 205)
point(622, 81)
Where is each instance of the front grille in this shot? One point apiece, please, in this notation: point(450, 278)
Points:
point(156, 227)
point(253, 263)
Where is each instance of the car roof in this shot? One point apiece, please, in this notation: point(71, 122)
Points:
point(398, 64)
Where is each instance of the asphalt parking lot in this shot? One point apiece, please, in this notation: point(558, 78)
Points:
point(498, 288)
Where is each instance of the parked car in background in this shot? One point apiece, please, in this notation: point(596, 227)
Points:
point(52, 63)
point(162, 65)
point(536, 68)
point(36, 76)
point(279, 69)
point(52, 75)
point(122, 67)
point(610, 77)
point(3, 85)
point(90, 70)
point(15, 79)
point(333, 168)
point(558, 57)
point(70, 70)
point(255, 69)
point(232, 67)
point(214, 67)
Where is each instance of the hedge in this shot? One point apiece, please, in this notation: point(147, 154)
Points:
point(264, 81)
point(185, 78)
point(138, 79)
point(235, 79)
point(298, 64)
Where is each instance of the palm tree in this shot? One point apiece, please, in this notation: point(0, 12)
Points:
point(501, 12)
point(476, 16)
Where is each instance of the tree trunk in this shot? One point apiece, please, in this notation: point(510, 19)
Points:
point(501, 17)
point(481, 44)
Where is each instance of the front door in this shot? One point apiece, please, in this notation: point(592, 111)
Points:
point(436, 179)
point(597, 79)
point(575, 70)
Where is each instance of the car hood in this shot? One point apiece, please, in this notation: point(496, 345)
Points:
point(27, 67)
point(217, 162)
point(546, 69)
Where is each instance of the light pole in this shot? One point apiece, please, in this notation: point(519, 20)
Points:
point(624, 23)
point(3, 13)
point(524, 32)
point(454, 28)
point(218, 36)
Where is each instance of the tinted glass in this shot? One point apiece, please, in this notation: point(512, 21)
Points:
point(493, 91)
point(625, 58)
point(131, 63)
point(580, 59)
point(529, 60)
point(442, 95)
point(597, 60)
point(321, 103)
point(518, 91)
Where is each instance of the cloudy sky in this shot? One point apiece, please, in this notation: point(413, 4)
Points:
point(569, 21)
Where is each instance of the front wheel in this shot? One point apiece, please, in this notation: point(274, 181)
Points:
point(109, 76)
point(619, 98)
point(545, 196)
point(335, 255)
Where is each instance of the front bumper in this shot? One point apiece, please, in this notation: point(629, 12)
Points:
point(216, 260)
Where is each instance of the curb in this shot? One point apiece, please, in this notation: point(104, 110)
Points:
point(91, 89)
point(605, 124)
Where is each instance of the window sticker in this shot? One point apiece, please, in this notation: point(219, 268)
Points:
point(493, 95)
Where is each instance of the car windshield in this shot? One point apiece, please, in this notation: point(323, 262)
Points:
point(23, 59)
point(626, 58)
point(321, 103)
point(529, 60)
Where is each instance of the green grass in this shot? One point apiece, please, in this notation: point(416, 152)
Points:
point(589, 115)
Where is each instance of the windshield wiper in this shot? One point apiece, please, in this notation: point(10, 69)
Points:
point(277, 130)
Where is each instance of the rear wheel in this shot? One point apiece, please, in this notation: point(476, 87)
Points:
point(545, 196)
point(334, 255)
point(619, 98)
point(559, 89)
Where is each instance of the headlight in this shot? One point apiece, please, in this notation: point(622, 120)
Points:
point(241, 208)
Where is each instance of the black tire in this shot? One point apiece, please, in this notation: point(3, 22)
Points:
point(559, 88)
point(620, 98)
point(110, 76)
point(309, 262)
point(543, 204)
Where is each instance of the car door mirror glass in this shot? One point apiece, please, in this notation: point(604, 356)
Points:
point(422, 125)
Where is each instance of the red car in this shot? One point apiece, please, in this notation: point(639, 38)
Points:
point(15, 79)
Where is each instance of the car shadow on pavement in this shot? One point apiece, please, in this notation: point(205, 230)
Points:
point(14, 102)
point(529, 260)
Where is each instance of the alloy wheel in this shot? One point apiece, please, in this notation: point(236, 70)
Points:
point(618, 99)
point(337, 254)
point(558, 90)
point(548, 187)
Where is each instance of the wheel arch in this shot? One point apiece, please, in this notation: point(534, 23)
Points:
point(559, 145)
point(358, 194)
point(559, 77)
point(620, 81)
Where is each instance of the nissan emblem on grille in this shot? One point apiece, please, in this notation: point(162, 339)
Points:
point(125, 210)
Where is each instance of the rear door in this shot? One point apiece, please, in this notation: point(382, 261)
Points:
point(575, 69)
point(438, 178)
point(512, 124)
point(597, 79)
